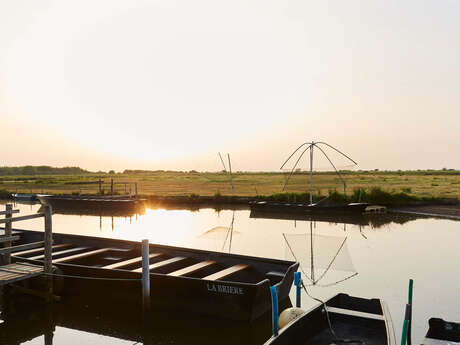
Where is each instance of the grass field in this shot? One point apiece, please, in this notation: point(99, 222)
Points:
point(421, 184)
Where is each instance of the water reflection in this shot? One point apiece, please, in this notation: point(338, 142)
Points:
point(386, 250)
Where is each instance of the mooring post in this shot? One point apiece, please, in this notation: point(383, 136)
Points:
point(135, 186)
point(145, 276)
point(298, 284)
point(48, 248)
point(100, 186)
point(8, 230)
point(275, 316)
point(111, 186)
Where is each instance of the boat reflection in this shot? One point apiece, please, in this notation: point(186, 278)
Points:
point(47, 320)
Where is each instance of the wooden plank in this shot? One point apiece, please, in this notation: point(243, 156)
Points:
point(18, 271)
point(33, 251)
point(161, 263)
point(9, 238)
point(355, 313)
point(81, 255)
point(67, 251)
point(21, 247)
point(15, 219)
point(226, 272)
point(3, 213)
point(191, 269)
point(129, 261)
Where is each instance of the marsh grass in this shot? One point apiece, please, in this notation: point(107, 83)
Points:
point(418, 185)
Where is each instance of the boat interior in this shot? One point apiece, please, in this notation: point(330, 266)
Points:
point(172, 261)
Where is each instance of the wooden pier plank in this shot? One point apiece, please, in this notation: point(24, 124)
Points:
point(161, 263)
point(18, 271)
point(21, 247)
point(226, 272)
point(129, 261)
point(81, 255)
point(191, 269)
point(9, 238)
point(38, 250)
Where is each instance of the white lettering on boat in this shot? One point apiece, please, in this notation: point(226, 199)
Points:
point(232, 290)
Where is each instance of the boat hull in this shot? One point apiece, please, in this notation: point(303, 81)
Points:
point(351, 318)
point(242, 296)
point(302, 208)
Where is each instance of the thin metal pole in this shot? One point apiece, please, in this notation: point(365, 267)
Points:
point(8, 229)
point(145, 276)
point(230, 169)
point(311, 172)
point(312, 266)
point(48, 250)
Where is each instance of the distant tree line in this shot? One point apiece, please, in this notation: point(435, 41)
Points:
point(41, 170)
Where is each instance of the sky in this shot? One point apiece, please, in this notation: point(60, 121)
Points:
point(164, 84)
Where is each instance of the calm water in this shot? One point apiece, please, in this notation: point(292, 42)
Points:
point(385, 257)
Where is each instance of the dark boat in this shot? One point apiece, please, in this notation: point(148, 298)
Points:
point(353, 320)
point(442, 332)
point(305, 208)
point(25, 197)
point(94, 203)
point(213, 283)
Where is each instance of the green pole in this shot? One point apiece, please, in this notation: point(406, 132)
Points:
point(411, 286)
point(404, 332)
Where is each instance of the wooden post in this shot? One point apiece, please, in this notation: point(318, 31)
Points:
point(111, 186)
point(100, 186)
point(145, 276)
point(136, 188)
point(48, 250)
point(8, 230)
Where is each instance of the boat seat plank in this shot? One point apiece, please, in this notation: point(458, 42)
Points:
point(81, 255)
point(191, 269)
point(162, 263)
point(226, 272)
point(355, 313)
point(67, 251)
point(38, 250)
point(129, 261)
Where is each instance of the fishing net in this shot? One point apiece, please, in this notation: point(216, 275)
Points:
point(324, 260)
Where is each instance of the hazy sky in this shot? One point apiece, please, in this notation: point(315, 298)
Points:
point(167, 84)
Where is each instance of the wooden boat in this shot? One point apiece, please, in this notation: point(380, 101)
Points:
point(442, 332)
point(226, 285)
point(91, 202)
point(305, 208)
point(358, 320)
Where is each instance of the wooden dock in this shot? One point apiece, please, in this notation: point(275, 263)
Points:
point(18, 271)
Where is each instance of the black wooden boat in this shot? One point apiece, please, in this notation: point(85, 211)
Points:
point(95, 203)
point(213, 283)
point(442, 332)
point(304, 208)
point(353, 320)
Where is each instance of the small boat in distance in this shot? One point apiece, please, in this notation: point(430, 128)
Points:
point(92, 202)
point(342, 319)
point(191, 280)
point(25, 197)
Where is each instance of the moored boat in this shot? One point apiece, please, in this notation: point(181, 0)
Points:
point(442, 332)
point(305, 208)
point(342, 319)
point(25, 197)
point(71, 202)
point(213, 283)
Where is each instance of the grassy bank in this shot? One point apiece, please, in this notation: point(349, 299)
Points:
point(372, 185)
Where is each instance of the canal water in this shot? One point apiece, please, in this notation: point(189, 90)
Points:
point(366, 257)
